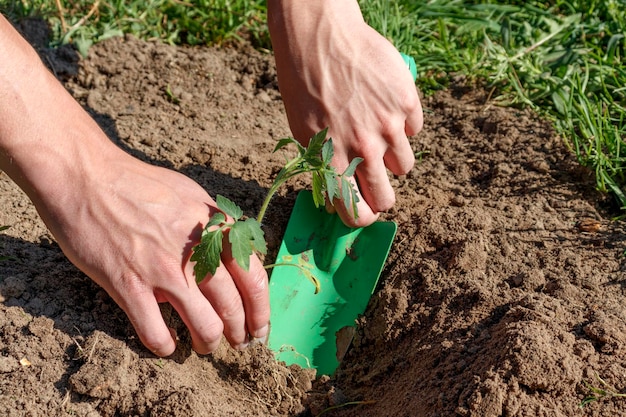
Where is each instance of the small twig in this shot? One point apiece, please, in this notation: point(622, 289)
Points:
point(93, 348)
point(334, 407)
point(83, 19)
point(65, 400)
point(61, 15)
point(80, 348)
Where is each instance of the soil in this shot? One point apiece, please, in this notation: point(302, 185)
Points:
point(503, 294)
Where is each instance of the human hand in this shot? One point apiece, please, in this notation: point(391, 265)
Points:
point(335, 71)
point(128, 225)
point(132, 233)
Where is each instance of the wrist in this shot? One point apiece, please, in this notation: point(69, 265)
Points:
point(48, 144)
point(298, 24)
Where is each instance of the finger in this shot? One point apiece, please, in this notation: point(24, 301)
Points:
point(254, 291)
point(204, 324)
point(399, 157)
point(330, 208)
point(364, 215)
point(224, 296)
point(144, 314)
point(415, 119)
point(374, 185)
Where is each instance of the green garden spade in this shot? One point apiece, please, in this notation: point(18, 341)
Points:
point(311, 329)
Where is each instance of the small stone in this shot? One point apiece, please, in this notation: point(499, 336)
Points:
point(458, 201)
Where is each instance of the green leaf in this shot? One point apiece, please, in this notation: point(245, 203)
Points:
point(349, 196)
point(288, 141)
point(332, 185)
point(316, 143)
point(314, 163)
point(241, 239)
point(83, 44)
point(218, 219)
point(318, 189)
point(227, 206)
point(349, 172)
point(327, 152)
point(207, 253)
point(258, 236)
point(560, 104)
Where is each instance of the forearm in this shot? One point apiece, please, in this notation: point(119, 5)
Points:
point(46, 139)
point(310, 41)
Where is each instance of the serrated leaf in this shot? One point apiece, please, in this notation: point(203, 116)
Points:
point(349, 172)
point(227, 206)
point(332, 185)
point(316, 143)
point(327, 152)
point(288, 141)
point(246, 237)
point(349, 196)
point(240, 239)
point(216, 220)
point(258, 236)
point(207, 253)
point(314, 163)
point(318, 189)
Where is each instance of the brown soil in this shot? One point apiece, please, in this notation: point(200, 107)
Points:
point(503, 294)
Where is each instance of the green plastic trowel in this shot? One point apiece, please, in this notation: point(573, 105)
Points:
point(314, 330)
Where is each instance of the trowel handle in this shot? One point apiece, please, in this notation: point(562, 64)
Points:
point(410, 64)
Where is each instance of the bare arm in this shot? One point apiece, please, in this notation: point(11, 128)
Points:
point(336, 71)
point(128, 225)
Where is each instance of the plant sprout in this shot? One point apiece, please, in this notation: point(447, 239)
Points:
point(246, 236)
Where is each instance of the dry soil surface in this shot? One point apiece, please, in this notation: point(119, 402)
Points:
point(503, 294)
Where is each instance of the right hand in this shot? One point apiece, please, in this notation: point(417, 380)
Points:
point(336, 71)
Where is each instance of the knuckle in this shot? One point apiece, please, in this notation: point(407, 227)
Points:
point(257, 286)
point(410, 101)
point(385, 203)
point(157, 344)
point(406, 164)
point(209, 339)
point(232, 309)
point(371, 149)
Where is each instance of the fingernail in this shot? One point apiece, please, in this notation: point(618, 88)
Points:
point(260, 336)
point(242, 346)
point(173, 333)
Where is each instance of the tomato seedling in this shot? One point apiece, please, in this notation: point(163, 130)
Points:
point(246, 235)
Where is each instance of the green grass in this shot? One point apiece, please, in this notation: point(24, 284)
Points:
point(562, 58)
point(565, 59)
point(193, 22)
